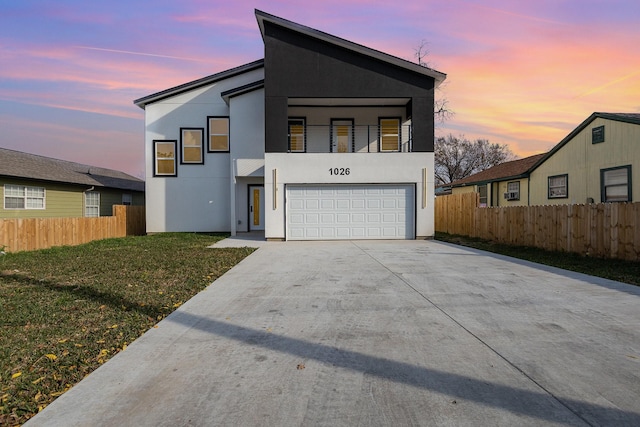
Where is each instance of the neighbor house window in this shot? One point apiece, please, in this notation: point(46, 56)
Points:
point(558, 187)
point(513, 191)
point(164, 158)
point(389, 134)
point(23, 197)
point(127, 199)
point(297, 137)
point(597, 135)
point(191, 146)
point(218, 131)
point(91, 204)
point(615, 184)
point(482, 190)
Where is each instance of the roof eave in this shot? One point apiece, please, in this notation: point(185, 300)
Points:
point(177, 90)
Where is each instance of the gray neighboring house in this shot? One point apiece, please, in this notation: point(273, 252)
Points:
point(33, 186)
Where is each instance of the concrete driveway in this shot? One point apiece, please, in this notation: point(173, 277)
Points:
point(381, 333)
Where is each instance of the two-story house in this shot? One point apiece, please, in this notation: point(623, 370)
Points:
point(322, 139)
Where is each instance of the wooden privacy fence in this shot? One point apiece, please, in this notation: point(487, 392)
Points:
point(29, 234)
point(607, 230)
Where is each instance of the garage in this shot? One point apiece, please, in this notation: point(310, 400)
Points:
point(350, 212)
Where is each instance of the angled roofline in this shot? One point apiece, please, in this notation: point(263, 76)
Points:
point(524, 174)
point(34, 167)
point(150, 99)
point(241, 90)
point(263, 17)
point(619, 117)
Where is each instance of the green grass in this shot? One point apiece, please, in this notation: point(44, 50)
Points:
point(619, 270)
point(65, 311)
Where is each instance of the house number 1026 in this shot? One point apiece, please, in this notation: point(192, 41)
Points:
point(339, 171)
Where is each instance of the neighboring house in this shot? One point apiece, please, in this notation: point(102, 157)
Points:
point(599, 161)
point(321, 139)
point(594, 163)
point(506, 184)
point(33, 186)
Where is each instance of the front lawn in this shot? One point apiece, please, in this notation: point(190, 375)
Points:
point(65, 311)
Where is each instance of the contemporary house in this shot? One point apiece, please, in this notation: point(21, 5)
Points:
point(594, 163)
point(597, 162)
point(506, 184)
point(33, 186)
point(322, 139)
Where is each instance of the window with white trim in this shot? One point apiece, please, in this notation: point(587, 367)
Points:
point(616, 184)
point(389, 134)
point(513, 191)
point(23, 197)
point(558, 187)
point(91, 204)
point(218, 130)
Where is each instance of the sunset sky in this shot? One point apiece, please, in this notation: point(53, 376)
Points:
point(521, 73)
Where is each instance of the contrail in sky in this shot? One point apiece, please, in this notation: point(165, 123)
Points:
point(138, 53)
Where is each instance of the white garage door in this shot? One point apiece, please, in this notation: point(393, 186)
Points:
point(332, 212)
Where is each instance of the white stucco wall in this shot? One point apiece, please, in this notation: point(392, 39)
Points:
point(198, 199)
point(364, 168)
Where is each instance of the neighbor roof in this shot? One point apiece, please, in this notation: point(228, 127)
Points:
point(633, 118)
point(17, 164)
point(263, 17)
point(507, 170)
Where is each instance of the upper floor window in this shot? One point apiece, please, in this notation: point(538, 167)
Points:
point(513, 191)
point(615, 184)
point(127, 199)
point(297, 137)
point(389, 134)
point(191, 145)
point(23, 197)
point(164, 158)
point(91, 204)
point(558, 187)
point(597, 135)
point(218, 131)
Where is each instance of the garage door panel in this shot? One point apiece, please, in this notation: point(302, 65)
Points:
point(350, 212)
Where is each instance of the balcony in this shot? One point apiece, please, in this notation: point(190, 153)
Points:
point(344, 137)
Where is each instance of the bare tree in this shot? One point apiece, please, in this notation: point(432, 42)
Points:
point(441, 110)
point(457, 157)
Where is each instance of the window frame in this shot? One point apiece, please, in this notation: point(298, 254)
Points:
point(129, 199)
point(603, 187)
point(566, 186)
point(210, 129)
point(485, 197)
point(338, 123)
point(93, 206)
point(25, 197)
point(597, 135)
point(156, 173)
point(517, 183)
point(303, 120)
point(381, 136)
point(199, 145)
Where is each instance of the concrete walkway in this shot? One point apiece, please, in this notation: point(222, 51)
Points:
point(377, 334)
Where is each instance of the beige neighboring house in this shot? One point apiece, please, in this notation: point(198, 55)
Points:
point(597, 162)
point(506, 184)
point(33, 186)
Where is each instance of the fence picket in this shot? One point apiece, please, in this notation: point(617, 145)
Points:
point(610, 230)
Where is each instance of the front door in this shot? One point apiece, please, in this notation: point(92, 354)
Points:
point(256, 207)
